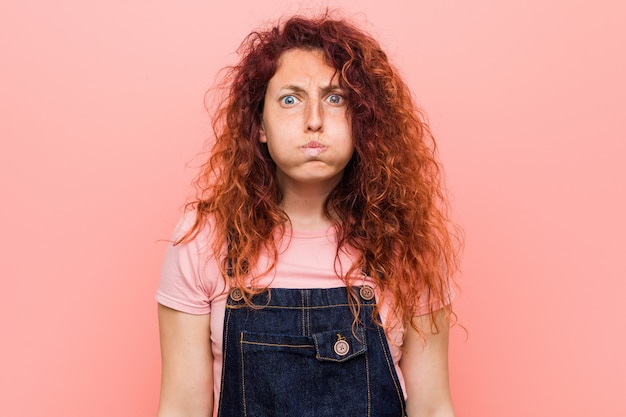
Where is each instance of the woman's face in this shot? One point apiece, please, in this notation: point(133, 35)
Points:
point(305, 122)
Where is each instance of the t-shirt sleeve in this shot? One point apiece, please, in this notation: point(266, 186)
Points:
point(426, 305)
point(189, 274)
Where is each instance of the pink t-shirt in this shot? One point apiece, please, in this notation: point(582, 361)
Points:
point(191, 281)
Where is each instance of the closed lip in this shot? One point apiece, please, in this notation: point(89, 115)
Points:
point(313, 144)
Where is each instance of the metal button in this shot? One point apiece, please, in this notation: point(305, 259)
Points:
point(341, 347)
point(367, 292)
point(236, 294)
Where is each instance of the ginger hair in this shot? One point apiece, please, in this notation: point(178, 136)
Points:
point(390, 206)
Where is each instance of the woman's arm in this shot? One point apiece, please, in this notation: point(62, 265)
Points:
point(424, 365)
point(187, 364)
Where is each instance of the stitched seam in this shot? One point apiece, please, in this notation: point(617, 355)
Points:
point(389, 365)
point(275, 344)
point(224, 348)
point(243, 382)
point(302, 308)
point(308, 313)
point(367, 378)
point(344, 359)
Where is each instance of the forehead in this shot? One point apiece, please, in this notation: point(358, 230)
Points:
point(303, 66)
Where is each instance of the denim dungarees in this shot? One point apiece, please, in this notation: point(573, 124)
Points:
point(298, 353)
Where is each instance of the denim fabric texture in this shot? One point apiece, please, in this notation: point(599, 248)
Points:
point(301, 354)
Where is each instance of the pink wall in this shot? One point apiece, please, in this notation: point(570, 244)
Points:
point(101, 110)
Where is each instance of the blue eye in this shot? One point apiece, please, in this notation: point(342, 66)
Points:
point(335, 99)
point(288, 100)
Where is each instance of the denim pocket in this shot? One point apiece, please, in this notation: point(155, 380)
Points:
point(275, 341)
point(287, 376)
point(339, 345)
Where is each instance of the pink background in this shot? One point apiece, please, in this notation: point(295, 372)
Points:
point(100, 119)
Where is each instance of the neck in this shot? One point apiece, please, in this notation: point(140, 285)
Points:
point(305, 206)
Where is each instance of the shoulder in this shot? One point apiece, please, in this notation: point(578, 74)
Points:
point(190, 274)
point(187, 222)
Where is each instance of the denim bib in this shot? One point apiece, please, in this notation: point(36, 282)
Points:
point(300, 353)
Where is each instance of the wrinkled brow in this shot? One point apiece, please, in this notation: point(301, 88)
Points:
point(325, 90)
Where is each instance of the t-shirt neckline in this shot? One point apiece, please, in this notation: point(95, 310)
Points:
point(311, 234)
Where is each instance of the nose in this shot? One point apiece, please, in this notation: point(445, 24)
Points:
point(314, 117)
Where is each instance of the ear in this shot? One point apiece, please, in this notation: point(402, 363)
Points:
point(262, 137)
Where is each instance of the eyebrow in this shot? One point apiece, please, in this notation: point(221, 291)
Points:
point(325, 90)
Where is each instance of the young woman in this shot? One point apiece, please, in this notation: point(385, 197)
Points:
point(312, 275)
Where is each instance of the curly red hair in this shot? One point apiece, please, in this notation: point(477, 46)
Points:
point(390, 205)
